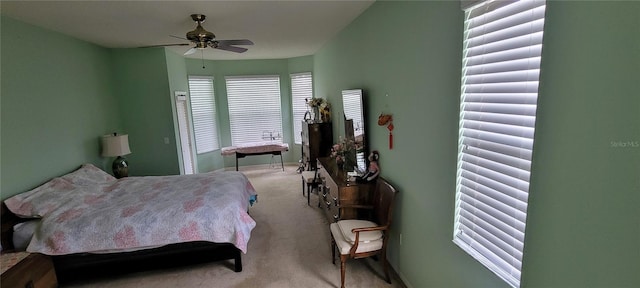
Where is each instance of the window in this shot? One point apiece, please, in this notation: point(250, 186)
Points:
point(501, 66)
point(301, 89)
point(254, 108)
point(203, 111)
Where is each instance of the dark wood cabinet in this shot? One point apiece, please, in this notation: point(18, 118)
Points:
point(317, 139)
point(337, 194)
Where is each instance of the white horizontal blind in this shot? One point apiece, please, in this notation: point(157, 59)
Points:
point(254, 107)
point(501, 65)
point(203, 111)
point(301, 89)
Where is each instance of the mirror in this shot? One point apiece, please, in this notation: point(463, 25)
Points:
point(352, 103)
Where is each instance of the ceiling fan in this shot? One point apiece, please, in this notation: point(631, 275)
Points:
point(203, 39)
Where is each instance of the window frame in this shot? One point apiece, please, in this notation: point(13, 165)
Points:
point(499, 90)
point(255, 108)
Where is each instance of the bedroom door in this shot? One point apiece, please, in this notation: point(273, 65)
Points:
point(185, 132)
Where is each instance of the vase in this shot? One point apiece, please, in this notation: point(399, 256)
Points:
point(349, 160)
point(316, 115)
point(339, 163)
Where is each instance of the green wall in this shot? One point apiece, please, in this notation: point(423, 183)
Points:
point(145, 100)
point(57, 100)
point(583, 227)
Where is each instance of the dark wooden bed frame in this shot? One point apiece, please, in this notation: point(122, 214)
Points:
point(86, 265)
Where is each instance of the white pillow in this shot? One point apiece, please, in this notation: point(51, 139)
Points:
point(40, 200)
point(89, 175)
point(48, 196)
point(22, 234)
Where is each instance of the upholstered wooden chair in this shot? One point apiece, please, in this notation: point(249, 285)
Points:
point(358, 238)
point(311, 181)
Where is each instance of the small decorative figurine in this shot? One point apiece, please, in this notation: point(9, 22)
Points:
point(373, 170)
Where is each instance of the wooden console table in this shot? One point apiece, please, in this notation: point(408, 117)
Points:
point(336, 192)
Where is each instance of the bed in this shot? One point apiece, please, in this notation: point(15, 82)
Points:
point(88, 218)
point(256, 148)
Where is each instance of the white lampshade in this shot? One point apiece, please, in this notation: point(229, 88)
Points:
point(115, 145)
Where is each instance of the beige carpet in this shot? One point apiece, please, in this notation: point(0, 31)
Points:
point(290, 247)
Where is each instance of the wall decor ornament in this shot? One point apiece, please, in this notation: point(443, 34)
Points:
point(387, 119)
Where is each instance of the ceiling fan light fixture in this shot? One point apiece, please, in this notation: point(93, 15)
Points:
point(200, 35)
point(201, 45)
point(202, 39)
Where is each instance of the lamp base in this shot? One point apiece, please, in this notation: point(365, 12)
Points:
point(120, 167)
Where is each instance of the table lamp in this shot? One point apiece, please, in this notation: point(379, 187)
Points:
point(114, 145)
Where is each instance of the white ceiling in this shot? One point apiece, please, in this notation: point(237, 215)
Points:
point(279, 29)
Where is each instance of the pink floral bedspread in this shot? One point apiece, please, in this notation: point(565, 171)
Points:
point(90, 211)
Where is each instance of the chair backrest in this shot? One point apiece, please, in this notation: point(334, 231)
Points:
point(383, 201)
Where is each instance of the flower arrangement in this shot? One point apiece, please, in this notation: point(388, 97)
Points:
point(321, 108)
point(316, 102)
point(344, 152)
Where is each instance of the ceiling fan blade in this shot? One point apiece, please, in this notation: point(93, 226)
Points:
point(190, 51)
point(165, 45)
point(230, 48)
point(179, 37)
point(235, 42)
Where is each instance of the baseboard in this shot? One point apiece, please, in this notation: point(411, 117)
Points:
point(396, 275)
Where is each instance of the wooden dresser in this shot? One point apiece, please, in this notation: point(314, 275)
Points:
point(317, 139)
point(28, 270)
point(22, 269)
point(336, 192)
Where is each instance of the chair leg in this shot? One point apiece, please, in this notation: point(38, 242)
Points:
point(343, 269)
point(385, 265)
point(302, 186)
point(309, 194)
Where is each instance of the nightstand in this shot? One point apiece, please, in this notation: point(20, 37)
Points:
point(29, 270)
